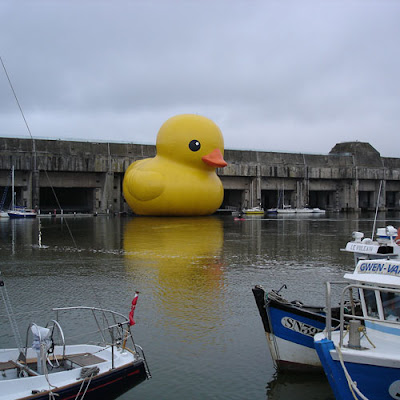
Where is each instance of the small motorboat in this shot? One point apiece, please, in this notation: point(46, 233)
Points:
point(361, 360)
point(4, 214)
point(50, 366)
point(254, 211)
point(290, 328)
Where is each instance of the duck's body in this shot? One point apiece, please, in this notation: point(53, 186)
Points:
point(180, 179)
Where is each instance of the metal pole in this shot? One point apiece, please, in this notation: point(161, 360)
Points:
point(328, 310)
point(12, 189)
point(376, 210)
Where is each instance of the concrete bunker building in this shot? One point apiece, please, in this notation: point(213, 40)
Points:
point(87, 177)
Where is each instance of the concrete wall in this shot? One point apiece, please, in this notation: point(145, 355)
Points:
point(348, 178)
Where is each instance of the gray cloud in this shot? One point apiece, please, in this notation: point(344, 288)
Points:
point(275, 76)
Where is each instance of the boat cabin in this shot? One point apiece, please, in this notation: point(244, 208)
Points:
point(384, 246)
point(380, 288)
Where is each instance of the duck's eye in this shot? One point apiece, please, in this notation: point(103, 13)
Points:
point(194, 145)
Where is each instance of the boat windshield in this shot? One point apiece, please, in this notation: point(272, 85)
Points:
point(370, 302)
point(391, 306)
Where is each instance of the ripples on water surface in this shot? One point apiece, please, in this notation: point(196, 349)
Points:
point(196, 316)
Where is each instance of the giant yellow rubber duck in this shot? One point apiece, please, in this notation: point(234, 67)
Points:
point(181, 179)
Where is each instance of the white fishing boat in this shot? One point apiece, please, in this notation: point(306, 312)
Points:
point(362, 361)
point(385, 245)
point(50, 364)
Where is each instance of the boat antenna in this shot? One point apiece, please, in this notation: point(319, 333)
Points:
point(376, 210)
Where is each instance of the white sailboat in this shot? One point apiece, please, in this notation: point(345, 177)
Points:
point(4, 212)
point(52, 364)
point(16, 211)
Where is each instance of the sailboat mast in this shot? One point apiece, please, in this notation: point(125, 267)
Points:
point(12, 189)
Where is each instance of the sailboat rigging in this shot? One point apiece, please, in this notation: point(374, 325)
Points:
point(50, 365)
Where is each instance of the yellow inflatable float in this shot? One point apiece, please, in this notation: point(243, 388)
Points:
point(181, 179)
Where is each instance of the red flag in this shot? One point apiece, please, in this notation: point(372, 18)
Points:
point(134, 301)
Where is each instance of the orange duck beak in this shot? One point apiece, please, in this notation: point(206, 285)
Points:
point(215, 159)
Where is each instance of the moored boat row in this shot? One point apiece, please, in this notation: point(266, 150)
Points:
point(290, 210)
point(354, 342)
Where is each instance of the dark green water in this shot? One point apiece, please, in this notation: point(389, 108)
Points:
point(196, 317)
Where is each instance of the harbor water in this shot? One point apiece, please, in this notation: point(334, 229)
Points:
point(196, 317)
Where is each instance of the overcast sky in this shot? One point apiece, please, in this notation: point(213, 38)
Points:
point(292, 76)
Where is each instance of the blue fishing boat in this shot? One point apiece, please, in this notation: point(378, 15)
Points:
point(290, 327)
point(361, 360)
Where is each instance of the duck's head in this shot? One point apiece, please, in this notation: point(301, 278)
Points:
point(192, 140)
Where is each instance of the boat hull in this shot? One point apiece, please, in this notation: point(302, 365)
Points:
point(290, 331)
point(373, 381)
point(300, 211)
point(109, 385)
point(17, 214)
point(254, 211)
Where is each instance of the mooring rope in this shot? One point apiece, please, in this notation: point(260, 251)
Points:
point(86, 373)
point(352, 385)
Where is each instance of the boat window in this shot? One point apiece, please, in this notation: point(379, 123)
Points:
point(370, 302)
point(391, 305)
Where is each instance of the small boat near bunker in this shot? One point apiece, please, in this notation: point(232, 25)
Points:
point(50, 366)
point(363, 361)
point(22, 212)
point(258, 210)
point(290, 328)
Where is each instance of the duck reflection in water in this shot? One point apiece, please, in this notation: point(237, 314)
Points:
point(180, 260)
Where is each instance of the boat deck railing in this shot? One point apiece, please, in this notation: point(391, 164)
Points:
point(113, 328)
point(348, 290)
point(106, 328)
